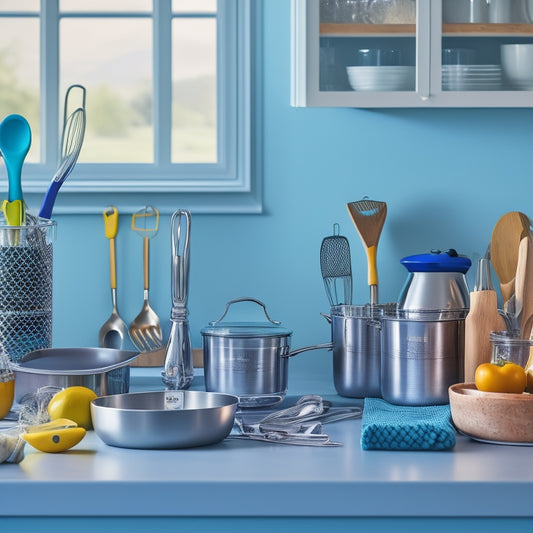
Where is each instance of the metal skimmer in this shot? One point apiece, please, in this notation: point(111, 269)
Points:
point(336, 268)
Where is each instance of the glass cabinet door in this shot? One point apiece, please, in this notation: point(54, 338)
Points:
point(412, 53)
point(364, 50)
point(487, 47)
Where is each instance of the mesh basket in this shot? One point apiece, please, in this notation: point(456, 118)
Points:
point(26, 267)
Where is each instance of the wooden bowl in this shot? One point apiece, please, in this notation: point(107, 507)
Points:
point(492, 416)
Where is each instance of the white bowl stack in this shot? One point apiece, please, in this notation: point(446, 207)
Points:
point(381, 78)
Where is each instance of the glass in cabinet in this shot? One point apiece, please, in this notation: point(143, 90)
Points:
point(412, 53)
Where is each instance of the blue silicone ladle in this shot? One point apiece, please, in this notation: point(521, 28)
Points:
point(15, 141)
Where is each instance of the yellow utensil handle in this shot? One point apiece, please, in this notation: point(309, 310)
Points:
point(371, 253)
point(112, 264)
point(146, 255)
point(111, 222)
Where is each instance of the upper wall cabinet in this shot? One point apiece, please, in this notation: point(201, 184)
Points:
point(412, 53)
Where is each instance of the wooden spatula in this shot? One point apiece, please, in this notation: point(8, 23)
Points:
point(510, 229)
point(524, 285)
point(368, 217)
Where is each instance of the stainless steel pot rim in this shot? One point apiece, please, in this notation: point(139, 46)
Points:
point(110, 400)
point(124, 358)
point(363, 311)
point(426, 315)
point(245, 330)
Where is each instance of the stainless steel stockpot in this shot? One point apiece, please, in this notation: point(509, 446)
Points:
point(356, 338)
point(421, 355)
point(249, 360)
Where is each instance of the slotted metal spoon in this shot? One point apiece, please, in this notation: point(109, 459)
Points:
point(336, 268)
point(112, 333)
point(145, 330)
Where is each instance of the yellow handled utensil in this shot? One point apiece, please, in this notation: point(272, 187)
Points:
point(145, 330)
point(14, 212)
point(368, 217)
point(113, 332)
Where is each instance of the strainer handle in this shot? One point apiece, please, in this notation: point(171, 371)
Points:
point(246, 299)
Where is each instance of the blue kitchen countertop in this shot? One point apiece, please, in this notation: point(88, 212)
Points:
point(252, 479)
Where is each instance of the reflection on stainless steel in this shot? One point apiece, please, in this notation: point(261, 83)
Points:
point(163, 419)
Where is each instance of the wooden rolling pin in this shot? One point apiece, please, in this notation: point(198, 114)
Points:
point(483, 317)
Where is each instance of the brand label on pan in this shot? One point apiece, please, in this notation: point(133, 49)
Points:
point(174, 400)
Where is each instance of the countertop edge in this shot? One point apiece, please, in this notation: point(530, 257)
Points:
point(292, 499)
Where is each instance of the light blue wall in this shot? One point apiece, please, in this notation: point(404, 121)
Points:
point(447, 175)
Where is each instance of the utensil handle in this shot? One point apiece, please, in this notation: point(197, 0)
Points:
point(482, 318)
point(112, 264)
point(111, 222)
point(371, 252)
point(180, 235)
point(49, 199)
point(146, 261)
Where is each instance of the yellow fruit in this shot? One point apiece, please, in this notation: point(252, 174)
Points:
point(59, 423)
point(73, 403)
point(7, 393)
point(508, 377)
point(55, 440)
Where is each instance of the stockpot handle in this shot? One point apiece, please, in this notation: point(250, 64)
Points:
point(246, 299)
point(325, 346)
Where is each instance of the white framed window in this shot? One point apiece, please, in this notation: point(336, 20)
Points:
point(171, 101)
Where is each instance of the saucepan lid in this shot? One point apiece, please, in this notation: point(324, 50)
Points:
point(264, 328)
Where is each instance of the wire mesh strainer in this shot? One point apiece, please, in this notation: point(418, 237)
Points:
point(336, 268)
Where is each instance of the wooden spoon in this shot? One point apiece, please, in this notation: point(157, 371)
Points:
point(524, 285)
point(504, 245)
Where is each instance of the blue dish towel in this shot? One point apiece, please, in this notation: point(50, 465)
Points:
point(397, 427)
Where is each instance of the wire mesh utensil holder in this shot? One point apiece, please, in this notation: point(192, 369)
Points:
point(26, 275)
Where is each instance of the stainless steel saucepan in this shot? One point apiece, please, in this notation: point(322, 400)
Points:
point(249, 359)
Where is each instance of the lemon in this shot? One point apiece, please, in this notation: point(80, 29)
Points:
point(54, 440)
point(73, 403)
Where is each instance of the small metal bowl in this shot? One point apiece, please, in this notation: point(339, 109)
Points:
point(104, 370)
point(163, 419)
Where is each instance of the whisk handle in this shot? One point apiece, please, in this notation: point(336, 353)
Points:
point(49, 199)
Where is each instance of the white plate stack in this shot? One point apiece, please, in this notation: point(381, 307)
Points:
point(382, 78)
point(471, 77)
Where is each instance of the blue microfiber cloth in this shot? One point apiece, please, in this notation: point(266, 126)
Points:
point(398, 427)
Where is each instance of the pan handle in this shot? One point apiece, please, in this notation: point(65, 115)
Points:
point(325, 346)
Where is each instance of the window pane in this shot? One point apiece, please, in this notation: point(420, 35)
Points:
point(19, 5)
point(128, 6)
point(194, 86)
point(19, 74)
point(194, 6)
point(116, 69)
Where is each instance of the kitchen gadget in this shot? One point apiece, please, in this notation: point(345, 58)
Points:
point(26, 272)
point(145, 330)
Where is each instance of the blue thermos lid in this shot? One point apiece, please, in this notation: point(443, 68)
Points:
point(437, 261)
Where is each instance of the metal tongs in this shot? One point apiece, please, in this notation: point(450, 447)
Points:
point(300, 424)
